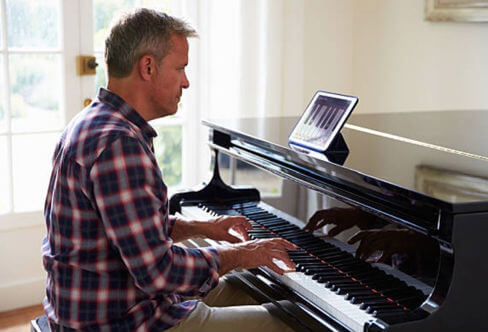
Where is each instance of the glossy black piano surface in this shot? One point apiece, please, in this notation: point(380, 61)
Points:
point(389, 147)
point(426, 172)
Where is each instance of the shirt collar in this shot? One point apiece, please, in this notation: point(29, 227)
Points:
point(108, 97)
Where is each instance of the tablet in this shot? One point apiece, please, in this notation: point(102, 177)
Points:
point(322, 120)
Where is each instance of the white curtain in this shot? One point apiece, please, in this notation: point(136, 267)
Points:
point(244, 48)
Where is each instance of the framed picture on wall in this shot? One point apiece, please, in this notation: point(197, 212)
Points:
point(456, 10)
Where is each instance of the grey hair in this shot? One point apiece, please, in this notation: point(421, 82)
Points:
point(140, 32)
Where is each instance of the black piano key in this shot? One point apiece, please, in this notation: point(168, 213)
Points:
point(270, 222)
point(303, 266)
point(338, 281)
point(283, 228)
point(388, 312)
point(341, 261)
point(354, 271)
point(293, 234)
point(325, 276)
point(365, 275)
point(305, 243)
point(325, 251)
point(304, 260)
point(317, 270)
point(300, 254)
point(370, 308)
point(356, 299)
point(351, 290)
point(260, 214)
point(362, 292)
point(344, 284)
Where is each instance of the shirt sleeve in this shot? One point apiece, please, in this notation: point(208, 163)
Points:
point(131, 198)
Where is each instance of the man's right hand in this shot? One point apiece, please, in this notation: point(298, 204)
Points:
point(251, 254)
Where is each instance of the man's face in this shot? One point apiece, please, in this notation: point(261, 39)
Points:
point(170, 78)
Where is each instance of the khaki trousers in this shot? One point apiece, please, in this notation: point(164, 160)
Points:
point(229, 309)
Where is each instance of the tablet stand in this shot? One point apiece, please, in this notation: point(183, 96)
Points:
point(337, 151)
point(338, 145)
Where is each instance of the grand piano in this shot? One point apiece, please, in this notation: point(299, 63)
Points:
point(422, 172)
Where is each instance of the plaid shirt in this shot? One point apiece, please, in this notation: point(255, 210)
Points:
point(111, 263)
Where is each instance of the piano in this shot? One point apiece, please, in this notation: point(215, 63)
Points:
point(423, 172)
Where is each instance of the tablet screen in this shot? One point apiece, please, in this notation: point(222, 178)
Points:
point(322, 120)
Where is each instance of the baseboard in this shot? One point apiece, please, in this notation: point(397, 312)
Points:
point(22, 294)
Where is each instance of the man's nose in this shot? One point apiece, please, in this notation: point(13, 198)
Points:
point(186, 83)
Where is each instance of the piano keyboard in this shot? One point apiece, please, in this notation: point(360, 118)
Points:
point(350, 290)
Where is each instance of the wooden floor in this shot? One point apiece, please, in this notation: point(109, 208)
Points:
point(18, 320)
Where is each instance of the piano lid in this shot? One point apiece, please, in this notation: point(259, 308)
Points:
point(438, 156)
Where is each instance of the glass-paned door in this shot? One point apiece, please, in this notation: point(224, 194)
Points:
point(38, 43)
point(40, 92)
point(31, 110)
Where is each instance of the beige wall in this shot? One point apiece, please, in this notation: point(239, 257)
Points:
point(403, 63)
point(22, 277)
point(318, 50)
point(386, 53)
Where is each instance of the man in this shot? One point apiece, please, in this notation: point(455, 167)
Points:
point(109, 251)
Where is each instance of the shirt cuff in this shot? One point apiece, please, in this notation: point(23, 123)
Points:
point(213, 259)
point(171, 224)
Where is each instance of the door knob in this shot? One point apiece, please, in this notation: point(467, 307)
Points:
point(86, 65)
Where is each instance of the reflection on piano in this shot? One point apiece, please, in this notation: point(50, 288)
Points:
point(331, 289)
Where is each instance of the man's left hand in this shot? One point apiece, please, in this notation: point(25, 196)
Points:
point(232, 229)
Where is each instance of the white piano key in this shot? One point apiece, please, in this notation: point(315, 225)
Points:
point(343, 311)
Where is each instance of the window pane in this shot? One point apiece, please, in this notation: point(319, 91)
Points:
point(33, 23)
point(3, 120)
point(1, 27)
point(4, 175)
point(167, 146)
point(100, 79)
point(35, 92)
point(161, 5)
point(32, 155)
point(105, 11)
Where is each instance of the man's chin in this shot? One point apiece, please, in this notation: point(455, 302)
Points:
point(168, 112)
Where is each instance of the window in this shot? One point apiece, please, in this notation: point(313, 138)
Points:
point(41, 92)
point(31, 111)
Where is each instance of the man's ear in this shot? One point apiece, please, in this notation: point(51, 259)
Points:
point(146, 67)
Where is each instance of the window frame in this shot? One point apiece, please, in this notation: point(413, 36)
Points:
point(70, 99)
